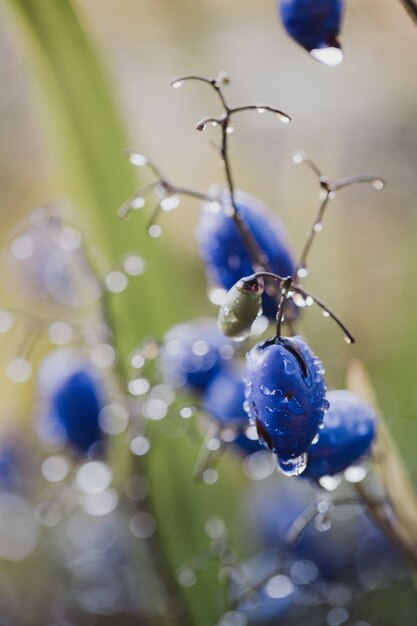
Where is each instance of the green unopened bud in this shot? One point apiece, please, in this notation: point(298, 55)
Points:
point(241, 307)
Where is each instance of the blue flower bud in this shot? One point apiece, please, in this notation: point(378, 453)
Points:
point(349, 429)
point(315, 26)
point(193, 353)
point(224, 400)
point(72, 400)
point(286, 398)
point(225, 255)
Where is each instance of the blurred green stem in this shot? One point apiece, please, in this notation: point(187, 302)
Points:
point(85, 142)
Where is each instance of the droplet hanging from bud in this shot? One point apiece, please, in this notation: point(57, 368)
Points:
point(241, 307)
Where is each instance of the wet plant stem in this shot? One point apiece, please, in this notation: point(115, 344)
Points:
point(411, 8)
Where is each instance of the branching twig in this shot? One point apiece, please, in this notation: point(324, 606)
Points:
point(329, 188)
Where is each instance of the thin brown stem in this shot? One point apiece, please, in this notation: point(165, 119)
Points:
point(411, 8)
point(328, 188)
point(302, 266)
point(259, 260)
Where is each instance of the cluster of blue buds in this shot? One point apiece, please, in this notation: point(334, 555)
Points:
point(349, 428)
point(315, 26)
point(224, 252)
point(193, 353)
point(197, 356)
point(71, 399)
point(224, 400)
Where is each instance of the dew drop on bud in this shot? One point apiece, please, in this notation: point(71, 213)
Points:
point(330, 56)
point(293, 467)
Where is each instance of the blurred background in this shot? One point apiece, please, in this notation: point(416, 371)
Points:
point(358, 117)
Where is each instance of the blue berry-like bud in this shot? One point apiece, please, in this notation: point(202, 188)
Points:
point(286, 398)
point(193, 354)
point(224, 400)
point(72, 399)
point(224, 253)
point(349, 428)
point(315, 25)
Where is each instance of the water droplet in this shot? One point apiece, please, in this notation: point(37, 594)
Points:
point(103, 355)
point(137, 361)
point(55, 469)
point(325, 313)
point(138, 386)
point(213, 123)
point(348, 339)
point(267, 391)
point(378, 184)
point(213, 444)
point(60, 333)
point(116, 282)
point(309, 301)
point(93, 477)
point(330, 56)
point(138, 203)
point(138, 159)
point(302, 272)
point(22, 247)
point(315, 440)
point(261, 109)
point(177, 84)
point(140, 446)
point(355, 473)
point(155, 231)
point(210, 476)
point(170, 203)
point(330, 483)
point(187, 578)
point(6, 321)
point(215, 528)
point(186, 412)
point(69, 239)
point(289, 366)
point(318, 227)
point(142, 525)
point(230, 130)
point(283, 118)
point(293, 467)
point(323, 523)
point(19, 370)
point(297, 157)
point(293, 405)
point(279, 587)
